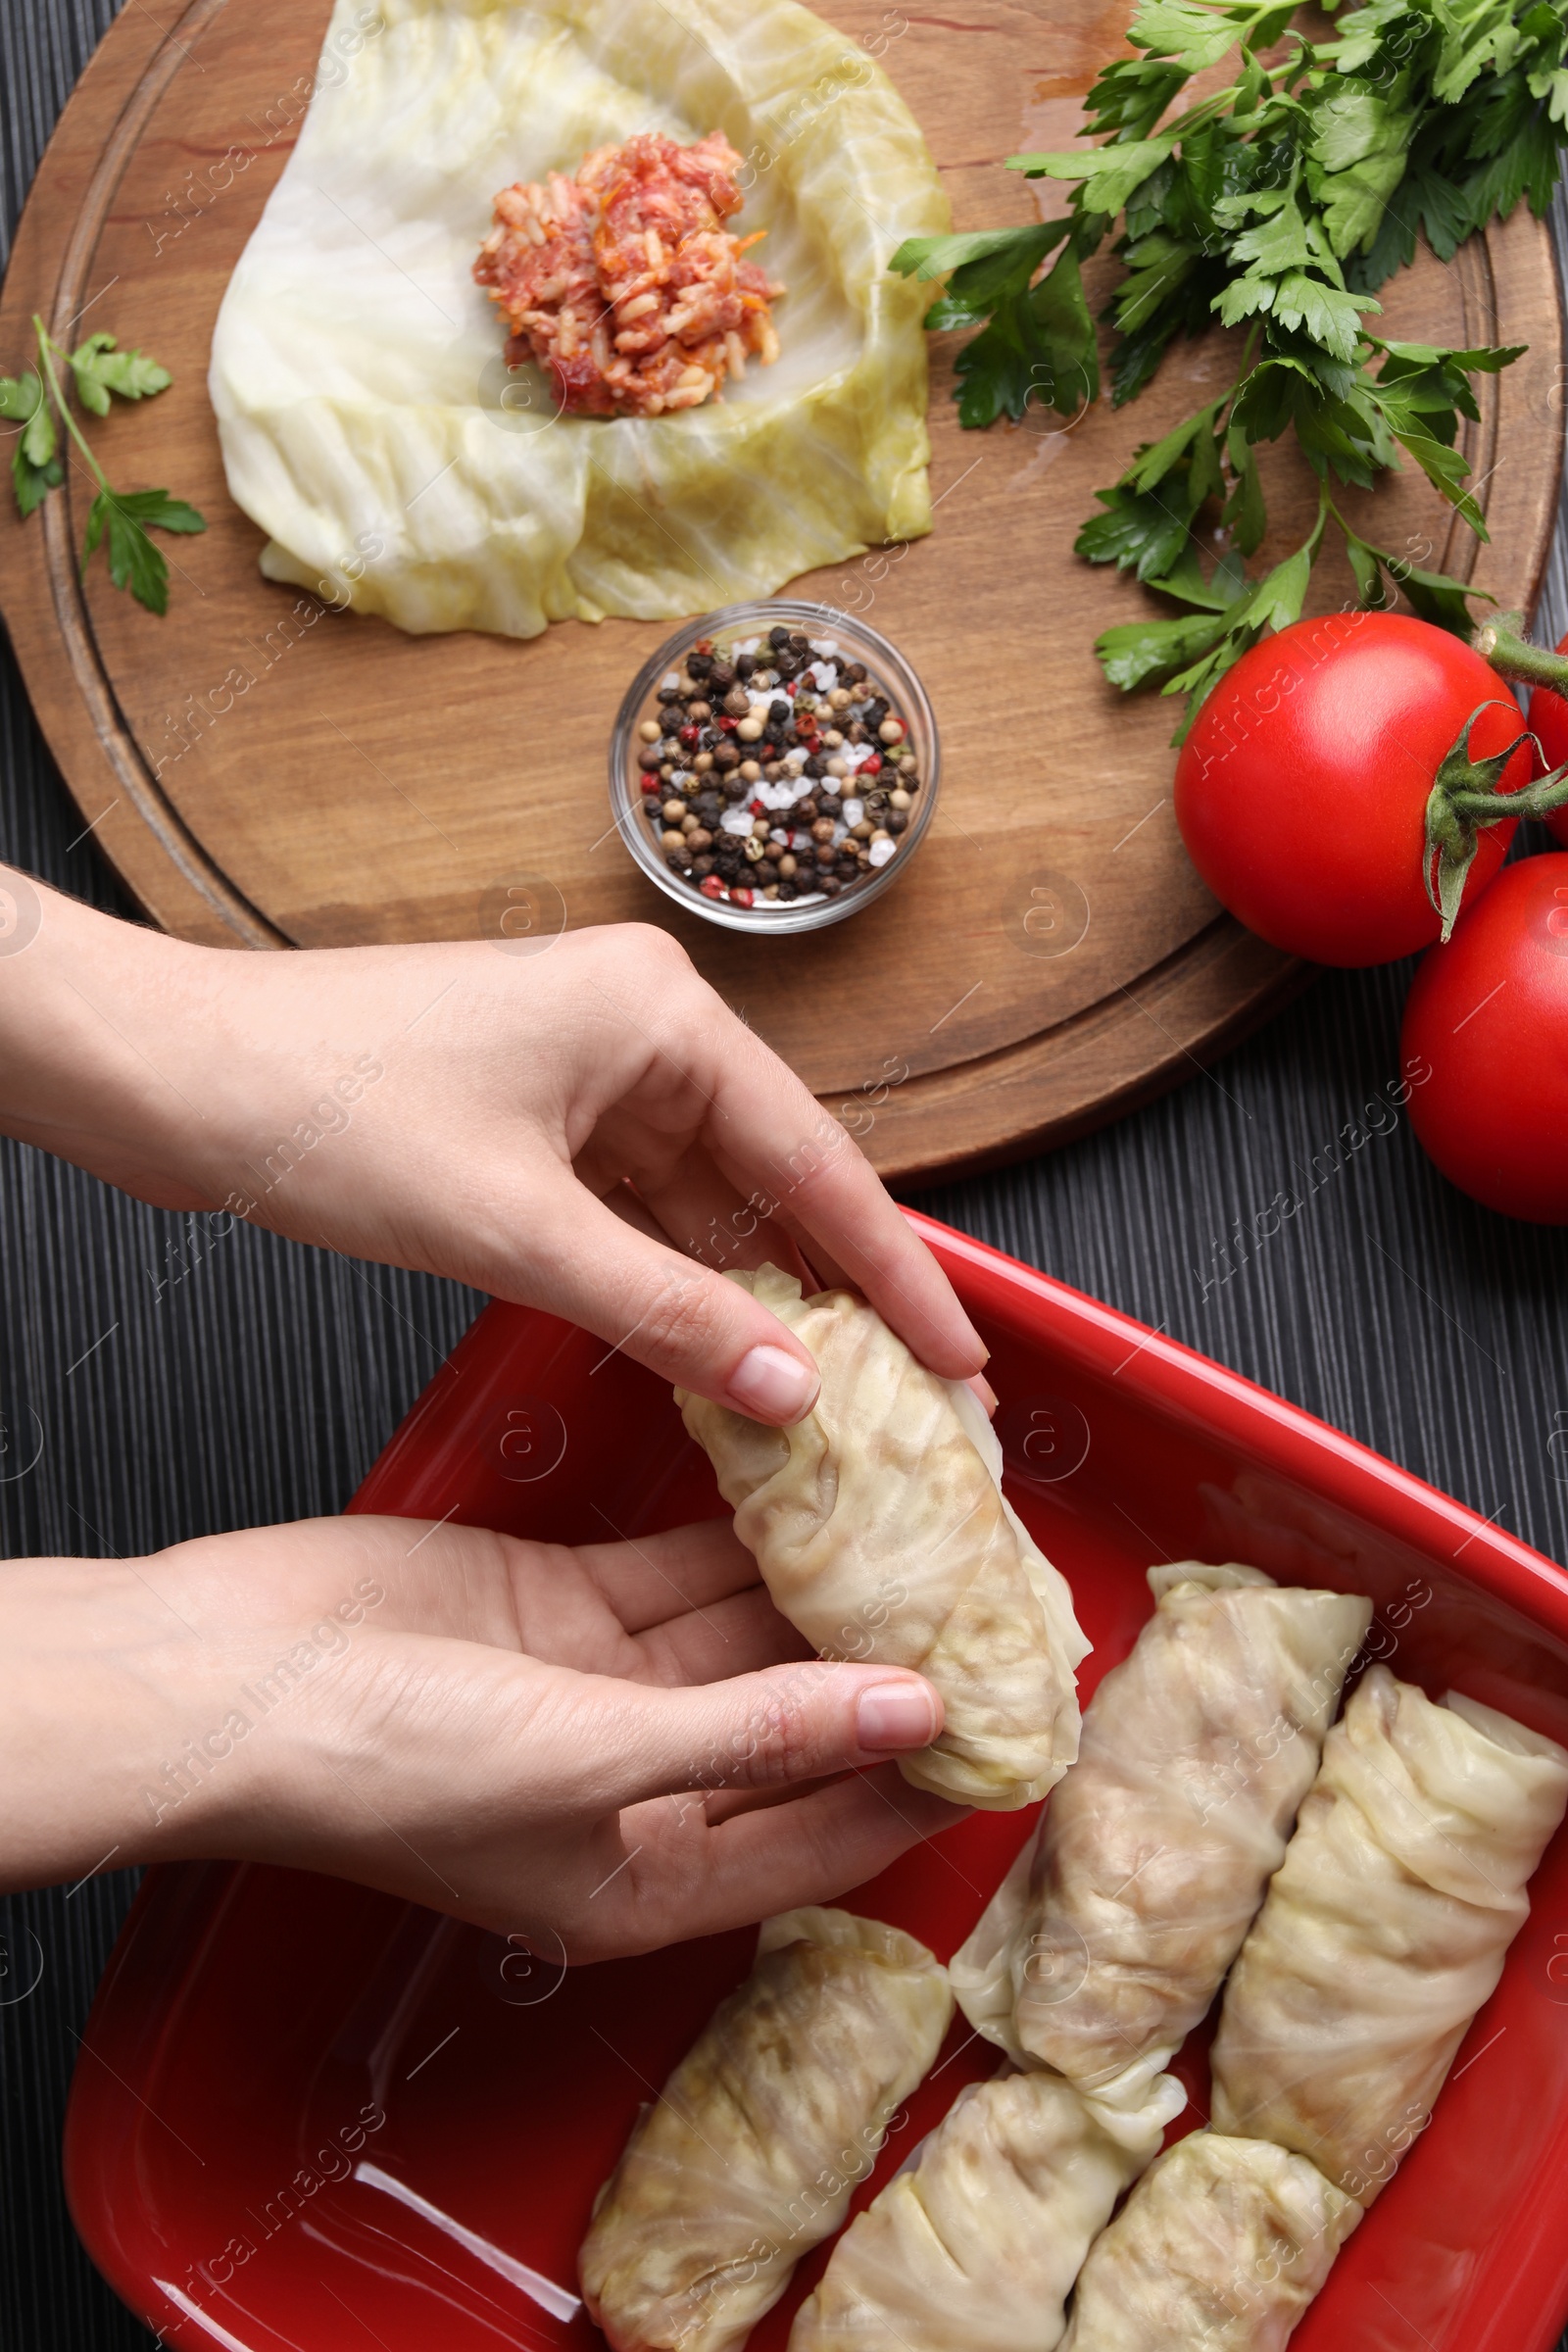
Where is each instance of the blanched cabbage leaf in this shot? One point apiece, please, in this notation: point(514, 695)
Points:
point(881, 1530)
point(1110, 1934)
point(976, 2247)
point(750, 2155)
point(1223, 2243)
point(357, 373)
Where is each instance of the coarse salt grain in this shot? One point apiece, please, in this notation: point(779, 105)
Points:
point(854, 810)
point(881, 850)
point(827, 676)
point(672, 677)
point(736, 820)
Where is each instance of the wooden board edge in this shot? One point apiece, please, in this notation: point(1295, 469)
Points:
point(1520, 254)
point(1063, 1083)
point(159, 858)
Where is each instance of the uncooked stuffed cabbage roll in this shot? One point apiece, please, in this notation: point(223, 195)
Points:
point(881, 1531)
point(1385, 1929)
point(751, 2153)
point(1108, 1937)
point(975, 2249)
point(1223, 2243)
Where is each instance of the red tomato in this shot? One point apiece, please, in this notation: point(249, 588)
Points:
point(1548, 723)
point(1489, 1013)
point(1301, 790)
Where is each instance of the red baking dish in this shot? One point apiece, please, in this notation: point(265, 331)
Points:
point(310, 2116)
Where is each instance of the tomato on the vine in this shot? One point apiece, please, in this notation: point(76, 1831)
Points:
point(1489, 1014)
point(1301, 790)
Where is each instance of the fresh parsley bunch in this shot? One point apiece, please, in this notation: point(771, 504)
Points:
point(1280, 203)
point(36, 401)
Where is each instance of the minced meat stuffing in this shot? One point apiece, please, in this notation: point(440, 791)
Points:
point(623, 282)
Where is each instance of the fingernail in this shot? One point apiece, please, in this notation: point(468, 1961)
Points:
point(772, 1386)
point(894, 1715)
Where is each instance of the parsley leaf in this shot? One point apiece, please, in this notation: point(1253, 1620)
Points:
point(37, 401)
point(1280, 201)
point(99, 370)
point(133, 561)
point(35, 467)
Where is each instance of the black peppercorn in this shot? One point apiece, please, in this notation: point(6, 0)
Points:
point(854, 676)
point(777, 637)
point(816, 765)
point(779, 713)
point(803, 812)
point(789, 890)
point(669, 694)
point(708, 807)
point(726, 754)
point(829, 885)
point(829, 804)
point(722, 675)
point(745, 665)
point(700, 665)
point(895, 820)
point(764, 871)
point(702, 866)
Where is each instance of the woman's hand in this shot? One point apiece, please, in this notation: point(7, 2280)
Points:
point(586, 1128)
point(597, 1751)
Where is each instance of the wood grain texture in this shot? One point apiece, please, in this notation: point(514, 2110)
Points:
point(264, 772)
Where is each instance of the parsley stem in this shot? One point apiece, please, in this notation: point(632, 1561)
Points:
point(46, 344)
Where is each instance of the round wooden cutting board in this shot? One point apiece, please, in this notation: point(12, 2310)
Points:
point(264, 772)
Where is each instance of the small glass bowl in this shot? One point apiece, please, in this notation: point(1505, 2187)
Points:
point(855, 642)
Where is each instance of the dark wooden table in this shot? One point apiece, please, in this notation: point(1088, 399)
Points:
point(167, 1392)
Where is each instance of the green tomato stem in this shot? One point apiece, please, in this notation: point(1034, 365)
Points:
point(1512, 655)
point(1463, 800)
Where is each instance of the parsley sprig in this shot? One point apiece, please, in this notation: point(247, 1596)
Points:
point(1280, 203)
point(37, 402)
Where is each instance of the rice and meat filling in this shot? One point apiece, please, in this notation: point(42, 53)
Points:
point(624, 284)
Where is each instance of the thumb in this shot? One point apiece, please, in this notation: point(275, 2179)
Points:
point(669, 1312)
point(789, 1723)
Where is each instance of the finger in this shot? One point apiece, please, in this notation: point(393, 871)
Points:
point(738, 1636)
point(682, 1319)
point(790, 1723)
point(625, 1202)
point(723, 1805)
point(706, 1217)
point(649, 1579)
point(811, 1850)
point(767, 1133)
point(780, 1141)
